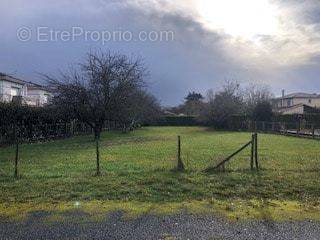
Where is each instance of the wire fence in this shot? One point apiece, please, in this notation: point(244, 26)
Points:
point(300, 128)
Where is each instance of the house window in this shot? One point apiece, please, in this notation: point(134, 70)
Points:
point(289, 103)
point(15, 91)
point(310, 101)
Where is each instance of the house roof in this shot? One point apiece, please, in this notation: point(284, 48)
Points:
point(300, 95)
point(31, 85)
point(9, 78)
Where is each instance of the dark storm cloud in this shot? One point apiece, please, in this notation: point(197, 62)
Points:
point(306, 11)
point(197, 59)
point(176, 66)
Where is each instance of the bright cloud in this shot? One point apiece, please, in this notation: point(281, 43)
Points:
point(261, 33)
point(245, 19)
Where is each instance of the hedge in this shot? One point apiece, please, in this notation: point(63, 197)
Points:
point(178, 121)
point(26, 115)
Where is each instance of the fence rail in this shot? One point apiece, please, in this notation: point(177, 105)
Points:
point(253, 158)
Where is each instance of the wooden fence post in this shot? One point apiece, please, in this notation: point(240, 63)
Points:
point(98, 157)
point(17, 153)
point(16, 161)
point(256, 151)
point(180, 166)
point(252, 150)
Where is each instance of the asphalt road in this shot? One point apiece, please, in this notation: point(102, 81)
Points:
point(182, 226)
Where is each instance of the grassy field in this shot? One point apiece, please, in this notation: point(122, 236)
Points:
point(137, 174)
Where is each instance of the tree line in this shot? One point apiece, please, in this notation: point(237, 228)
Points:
point(216, 108)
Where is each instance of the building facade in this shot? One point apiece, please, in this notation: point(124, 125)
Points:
point(16, 90)
point(297, 103)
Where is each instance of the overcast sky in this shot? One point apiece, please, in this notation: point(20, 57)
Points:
point(274, 42)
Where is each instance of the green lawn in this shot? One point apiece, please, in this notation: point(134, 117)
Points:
point(137, 167)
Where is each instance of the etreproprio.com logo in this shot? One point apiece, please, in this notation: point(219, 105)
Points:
point(47, 34)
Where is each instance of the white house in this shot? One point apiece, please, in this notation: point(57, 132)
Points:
point(37, 95)
point(297, 103)
point(28, 93)
point(11, 87)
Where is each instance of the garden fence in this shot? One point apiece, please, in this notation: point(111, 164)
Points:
point(300, 128)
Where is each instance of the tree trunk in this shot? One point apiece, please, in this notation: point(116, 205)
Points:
point(97, 133)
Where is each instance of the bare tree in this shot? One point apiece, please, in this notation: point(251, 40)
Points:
point(102, 88)
point(141, 108)
point(223, 104)
point(255, 94)
point(149, 109)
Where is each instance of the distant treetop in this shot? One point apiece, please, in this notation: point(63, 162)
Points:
point(193, 96)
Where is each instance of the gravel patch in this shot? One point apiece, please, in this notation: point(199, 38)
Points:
point(180, 226)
